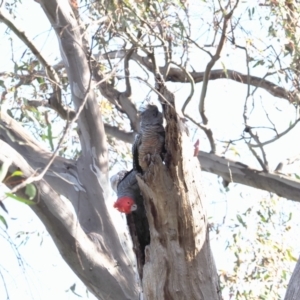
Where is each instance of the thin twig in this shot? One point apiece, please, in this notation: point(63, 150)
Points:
point(205, 128)
point(278, 136)
point(6, 19)
point(211, 64)
point(128, 91)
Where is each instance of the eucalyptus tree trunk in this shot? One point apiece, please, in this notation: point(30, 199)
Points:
point(179, 263)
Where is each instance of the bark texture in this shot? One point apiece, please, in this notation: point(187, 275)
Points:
point(293, 290)
point(179, 253)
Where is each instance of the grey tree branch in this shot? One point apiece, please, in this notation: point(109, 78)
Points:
point(237, 172)
point(119, 99)
point(77, 65)
point(263, 162)
point(125, 98)
point(214, 59)
point(119, 134)
point(62, 174)
point(277, 137)
point(128, 90)
point(175, 75)
point(87, 261)
point(92, 165)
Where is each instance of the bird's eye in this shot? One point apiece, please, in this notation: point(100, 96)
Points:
point(133, 207)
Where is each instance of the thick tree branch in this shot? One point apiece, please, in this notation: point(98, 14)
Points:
point(233, 171)
point(121, 101)
point(72, 44)
point(62, 175)
point(87, 260)
point(125, 98)
point(119, 134)
point(92, 165)
point(175, 75)
point(128, 90)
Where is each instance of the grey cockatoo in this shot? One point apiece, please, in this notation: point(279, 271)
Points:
point(125, 185)
point(150, 140)
point(131, 202)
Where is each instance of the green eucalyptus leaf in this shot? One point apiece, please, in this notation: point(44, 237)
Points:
point(20, 199)
point(2, 219)
point(30, 191)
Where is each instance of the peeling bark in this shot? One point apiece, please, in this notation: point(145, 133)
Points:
point(179, 253)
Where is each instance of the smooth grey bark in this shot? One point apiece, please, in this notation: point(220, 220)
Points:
point(62, 174)
point(293, 289)
point(111, 275)
point(96, 267)
point(236, 172)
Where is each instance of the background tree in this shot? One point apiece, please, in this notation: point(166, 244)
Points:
point(155, 47)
